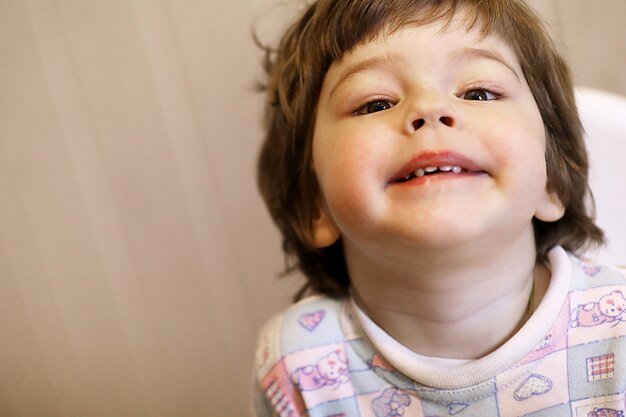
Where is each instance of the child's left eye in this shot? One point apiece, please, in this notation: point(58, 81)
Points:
point(374, 106)
point(479, 94)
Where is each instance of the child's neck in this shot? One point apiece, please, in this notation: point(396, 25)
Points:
point(451, 306)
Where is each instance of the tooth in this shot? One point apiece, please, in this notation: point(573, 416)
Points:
point(430, 169)
point(445, 168)
point(419, 172)
point(456, 169)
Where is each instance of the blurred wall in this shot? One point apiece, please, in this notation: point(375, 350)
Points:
point(136, 259)
point(592, 37)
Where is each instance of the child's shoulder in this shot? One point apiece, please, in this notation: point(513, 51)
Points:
point(303, 349)
point(313, 320)
point(313, 323)
point(589, 274)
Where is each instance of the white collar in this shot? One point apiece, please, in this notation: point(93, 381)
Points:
point(458, 373)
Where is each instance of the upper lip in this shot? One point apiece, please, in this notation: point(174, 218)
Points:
point(435, 159)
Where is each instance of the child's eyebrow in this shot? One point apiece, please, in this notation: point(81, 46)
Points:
point(479, 53)
point(391, 58)
point(377, 61)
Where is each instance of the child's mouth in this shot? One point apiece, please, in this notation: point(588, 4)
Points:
point(421, 172)
point(440, 164)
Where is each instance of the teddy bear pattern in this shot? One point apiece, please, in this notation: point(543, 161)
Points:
point(331, 369)
point(609, 308)
point(605, 412)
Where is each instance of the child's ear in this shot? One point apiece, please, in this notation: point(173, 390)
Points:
point(550, 208)
point(324, 231)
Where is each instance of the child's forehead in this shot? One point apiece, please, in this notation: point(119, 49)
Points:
point(443, 38)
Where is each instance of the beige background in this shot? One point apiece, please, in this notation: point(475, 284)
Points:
point(136, 260)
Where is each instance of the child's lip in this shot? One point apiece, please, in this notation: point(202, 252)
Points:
point(435, 159)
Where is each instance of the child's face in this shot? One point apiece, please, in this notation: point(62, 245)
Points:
point(420, 99)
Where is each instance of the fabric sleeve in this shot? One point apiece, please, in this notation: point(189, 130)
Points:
point(267, 355)
point(261, 406)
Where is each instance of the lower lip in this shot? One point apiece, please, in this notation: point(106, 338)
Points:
point(441, 176)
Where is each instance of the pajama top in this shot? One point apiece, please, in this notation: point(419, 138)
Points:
point(323, 357)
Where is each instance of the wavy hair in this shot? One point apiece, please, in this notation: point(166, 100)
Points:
point(328, 29)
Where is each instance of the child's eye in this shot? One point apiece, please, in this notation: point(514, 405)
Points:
point(373, 107)
point(479, 94)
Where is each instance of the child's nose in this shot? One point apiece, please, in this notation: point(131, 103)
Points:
point(430, 109)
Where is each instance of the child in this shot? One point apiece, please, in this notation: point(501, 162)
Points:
point(425, 164)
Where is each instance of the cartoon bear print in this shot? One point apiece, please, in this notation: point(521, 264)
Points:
point(331, 369)
point(390, 403)
point(605, 412)
point(609, 308)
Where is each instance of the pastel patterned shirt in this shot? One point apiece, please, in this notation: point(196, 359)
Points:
point(324, 357)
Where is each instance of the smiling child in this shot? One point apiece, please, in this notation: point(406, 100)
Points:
point(425, 164)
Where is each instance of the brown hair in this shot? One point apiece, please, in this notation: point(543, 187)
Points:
point(326, 31)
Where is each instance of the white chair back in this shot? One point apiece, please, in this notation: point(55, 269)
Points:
point(603, 116)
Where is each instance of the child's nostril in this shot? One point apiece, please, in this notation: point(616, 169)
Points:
point(418, 123)
point(448, 121)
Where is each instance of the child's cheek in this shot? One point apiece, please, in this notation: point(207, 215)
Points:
point(355, 189)
point(516, 153)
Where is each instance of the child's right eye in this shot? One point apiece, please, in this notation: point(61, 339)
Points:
point(373, 107)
